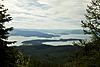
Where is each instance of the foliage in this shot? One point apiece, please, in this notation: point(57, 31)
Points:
point(4, 18)
point(9, 56)
point(37, 63)
point(92, 23)
point(48, 56)
point(13, 58)
point(92, 26)
point(89, 55)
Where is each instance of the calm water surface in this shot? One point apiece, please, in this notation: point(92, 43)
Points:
point(20, 39)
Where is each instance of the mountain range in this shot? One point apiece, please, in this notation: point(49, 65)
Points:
point(47, 33)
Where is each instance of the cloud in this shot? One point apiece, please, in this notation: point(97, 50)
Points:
point(48, 14)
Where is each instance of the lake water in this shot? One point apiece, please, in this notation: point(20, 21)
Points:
point(20, 39)
point(71, 36)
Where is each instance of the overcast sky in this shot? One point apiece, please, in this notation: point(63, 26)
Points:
point(46, 14)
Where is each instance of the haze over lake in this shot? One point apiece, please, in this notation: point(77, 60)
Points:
point(27, 35)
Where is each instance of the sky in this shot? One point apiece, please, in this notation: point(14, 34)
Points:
point(46, 14)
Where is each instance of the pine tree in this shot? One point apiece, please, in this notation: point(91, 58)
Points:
point(4, 34)
point(91, 26)
point(9, 56)
point(89, 55)
point(4, 18)
point(92, 23)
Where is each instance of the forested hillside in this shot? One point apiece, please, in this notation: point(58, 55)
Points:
point(85, 53)
point(49, 54)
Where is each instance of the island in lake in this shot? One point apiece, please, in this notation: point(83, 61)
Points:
point(40, 42)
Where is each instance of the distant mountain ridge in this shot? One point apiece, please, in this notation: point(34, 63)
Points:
point(47, 33)
point(28, 33)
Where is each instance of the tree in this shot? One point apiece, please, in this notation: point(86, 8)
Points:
point(14, 58)
point(91, 26)
point(4, 18)
point(89, 55)
point(92, 23)
point(9, 56)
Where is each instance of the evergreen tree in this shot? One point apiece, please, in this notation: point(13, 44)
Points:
point(89, 55)
point(4, 18)
point(92, 23)
point(91, 26)
point(9, 56)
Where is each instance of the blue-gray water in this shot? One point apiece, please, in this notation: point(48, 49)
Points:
point(20, 39)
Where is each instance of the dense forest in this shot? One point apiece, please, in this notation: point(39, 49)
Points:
point(86, 53)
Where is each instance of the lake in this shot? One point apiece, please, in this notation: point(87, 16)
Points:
point(20, 39)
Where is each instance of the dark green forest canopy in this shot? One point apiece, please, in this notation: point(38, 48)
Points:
point(9, 56)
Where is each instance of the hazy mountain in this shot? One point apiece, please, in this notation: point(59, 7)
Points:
point(44, 32)
point(78, 31)
point(62, 31)
point(28, 33)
